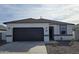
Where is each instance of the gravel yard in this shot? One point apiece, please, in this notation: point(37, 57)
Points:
point(63, 49)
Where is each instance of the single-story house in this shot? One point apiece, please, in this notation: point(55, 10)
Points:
point(2, 32)
point(31, 29)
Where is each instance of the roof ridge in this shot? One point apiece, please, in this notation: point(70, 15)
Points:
point(33, 20)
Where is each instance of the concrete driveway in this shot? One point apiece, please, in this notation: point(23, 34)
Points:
point(24, 47)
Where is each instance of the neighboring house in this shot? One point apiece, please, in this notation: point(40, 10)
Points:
point(2, 32)
point(38, 30)
point(77, 32)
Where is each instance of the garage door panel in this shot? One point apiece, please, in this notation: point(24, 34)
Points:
point(28, 34)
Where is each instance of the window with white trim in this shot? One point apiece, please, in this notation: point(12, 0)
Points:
point(63, 29)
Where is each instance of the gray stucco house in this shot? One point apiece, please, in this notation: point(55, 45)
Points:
point(31, 29)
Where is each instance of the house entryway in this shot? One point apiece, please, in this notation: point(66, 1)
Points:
point(51, 33)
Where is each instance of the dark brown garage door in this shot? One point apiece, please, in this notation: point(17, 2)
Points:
point(28, 34)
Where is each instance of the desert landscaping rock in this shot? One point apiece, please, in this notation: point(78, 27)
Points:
point(73, 49)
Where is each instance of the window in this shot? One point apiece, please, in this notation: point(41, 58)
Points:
point(63, 29)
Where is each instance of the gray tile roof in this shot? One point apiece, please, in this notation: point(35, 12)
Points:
point(41, 20)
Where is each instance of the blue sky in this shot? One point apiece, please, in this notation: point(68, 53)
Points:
point(60, 12)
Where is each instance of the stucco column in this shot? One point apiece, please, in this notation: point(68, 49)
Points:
point(46, 34)
point(9, 35)
point(74, 38)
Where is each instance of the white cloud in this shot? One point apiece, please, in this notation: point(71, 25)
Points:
point(62, 12)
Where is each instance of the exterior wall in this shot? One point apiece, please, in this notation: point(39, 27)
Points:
point(3, 35)
point(10, 27)
point(63, 37)
point(77, 32)
point(58, 36)
point(70, 29)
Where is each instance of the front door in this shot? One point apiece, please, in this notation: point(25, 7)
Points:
point(51, 33)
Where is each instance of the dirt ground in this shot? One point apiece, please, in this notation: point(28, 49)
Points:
point(2, 42)
point(63, 49)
